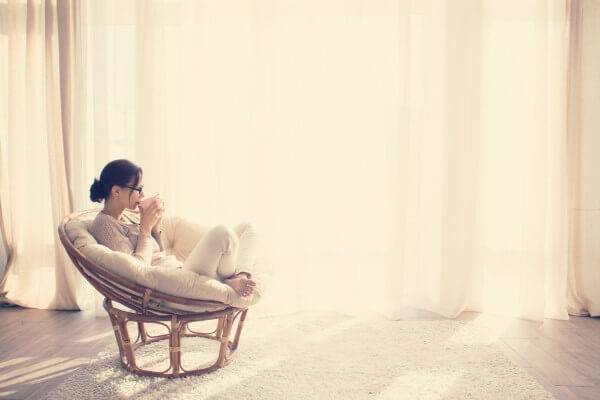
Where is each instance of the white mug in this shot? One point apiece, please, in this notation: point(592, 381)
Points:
point(148, 201)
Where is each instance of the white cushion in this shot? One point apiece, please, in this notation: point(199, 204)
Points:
point(179, 238)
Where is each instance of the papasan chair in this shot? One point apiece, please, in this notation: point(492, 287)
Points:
point(170, 297)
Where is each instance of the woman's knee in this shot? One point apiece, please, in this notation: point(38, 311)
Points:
point(245, 229)
point(225, 236)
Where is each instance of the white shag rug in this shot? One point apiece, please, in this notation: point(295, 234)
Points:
point(325, 355)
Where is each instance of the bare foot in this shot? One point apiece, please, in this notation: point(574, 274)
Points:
point(242, 285)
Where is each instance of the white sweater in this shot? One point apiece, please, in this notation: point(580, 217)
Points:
point(124, 236)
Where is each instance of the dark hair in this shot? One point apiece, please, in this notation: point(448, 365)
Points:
point(117, 172)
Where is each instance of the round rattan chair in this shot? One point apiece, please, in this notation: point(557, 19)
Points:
point(150, 306)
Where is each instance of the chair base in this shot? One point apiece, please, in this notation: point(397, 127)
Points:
point(177, 326)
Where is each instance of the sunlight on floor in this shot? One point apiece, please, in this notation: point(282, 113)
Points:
point(484, 329)
point(14, 361)
point(41, 371)
point(266, 364)
point(96, 337)
point(424, 383)
point(350, 357)
point(52, 376)
point(274, 360)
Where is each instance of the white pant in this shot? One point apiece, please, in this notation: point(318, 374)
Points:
point(222, 252)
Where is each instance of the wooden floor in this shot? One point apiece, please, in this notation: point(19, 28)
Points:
point(39, 348)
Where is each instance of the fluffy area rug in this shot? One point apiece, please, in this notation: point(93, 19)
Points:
point(325, 355)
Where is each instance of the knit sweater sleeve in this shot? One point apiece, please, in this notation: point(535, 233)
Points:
point(108, 233)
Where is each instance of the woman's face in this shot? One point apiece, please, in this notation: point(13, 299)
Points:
point(128, 196)
point(135, 195)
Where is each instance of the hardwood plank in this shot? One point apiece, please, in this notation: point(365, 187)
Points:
point(570, 335)
point(588, 329)
point(586, 364)
point(584, 393)
point(551, 368)
point(519, 328)
point(512, 355)
point(45, 347)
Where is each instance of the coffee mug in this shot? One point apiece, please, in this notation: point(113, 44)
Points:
point(148, 201)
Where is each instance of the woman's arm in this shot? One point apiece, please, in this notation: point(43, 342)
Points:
point(158, 236)
point(108, 233)
point(143, 249)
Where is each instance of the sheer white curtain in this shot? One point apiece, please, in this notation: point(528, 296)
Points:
point(584, 123)
point(393, 153)
point(38, 62)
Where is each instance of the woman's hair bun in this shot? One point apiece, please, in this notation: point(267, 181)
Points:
point(120, 172)
point(97, 193)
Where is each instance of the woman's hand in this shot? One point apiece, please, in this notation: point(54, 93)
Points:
point(151, 215)
point(156, 228)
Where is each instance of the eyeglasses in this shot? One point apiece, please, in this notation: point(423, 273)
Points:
point(140, 190)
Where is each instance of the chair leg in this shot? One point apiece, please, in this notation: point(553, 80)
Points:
point(142, 330)
point(227, 324)
point(175, 344)
point(124, 338)
point(238, 331)
point(219, 332)
point(177, 328)
point(115, 325)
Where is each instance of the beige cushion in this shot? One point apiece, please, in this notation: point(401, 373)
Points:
point(179, 237)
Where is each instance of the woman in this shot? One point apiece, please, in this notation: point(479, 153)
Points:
point(218, 254)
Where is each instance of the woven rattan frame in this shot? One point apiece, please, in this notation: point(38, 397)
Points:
point(147, 306)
